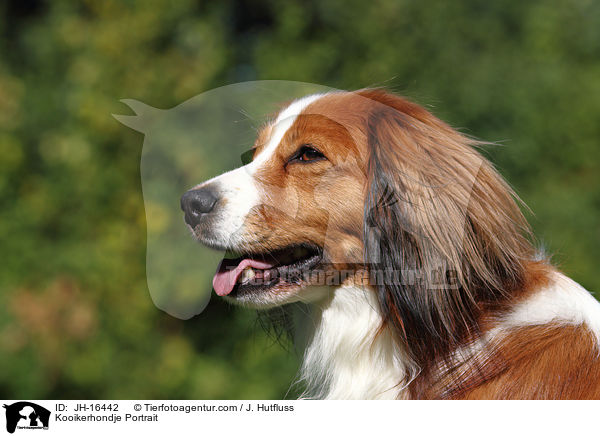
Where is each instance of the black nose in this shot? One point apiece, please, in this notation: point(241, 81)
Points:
point(196, 203)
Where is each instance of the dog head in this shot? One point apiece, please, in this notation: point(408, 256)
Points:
point(346, 180)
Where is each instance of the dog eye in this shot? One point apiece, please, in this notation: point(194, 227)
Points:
point(306, 153)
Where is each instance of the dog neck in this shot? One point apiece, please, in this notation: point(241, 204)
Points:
point(348, 354)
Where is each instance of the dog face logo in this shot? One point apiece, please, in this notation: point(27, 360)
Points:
point(199, 139)
point(26, 415)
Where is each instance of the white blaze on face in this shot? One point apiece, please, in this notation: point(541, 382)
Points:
point(239, 188)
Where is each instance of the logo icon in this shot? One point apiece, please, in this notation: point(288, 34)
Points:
point(26, 415)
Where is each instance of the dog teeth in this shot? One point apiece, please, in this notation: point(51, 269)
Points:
point(247, 275)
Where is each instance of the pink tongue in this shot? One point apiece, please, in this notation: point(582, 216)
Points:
point(228, 273)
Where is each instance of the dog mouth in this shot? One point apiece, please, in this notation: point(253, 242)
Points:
point(239, 273)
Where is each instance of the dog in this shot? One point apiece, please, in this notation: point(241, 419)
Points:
point(420, 271)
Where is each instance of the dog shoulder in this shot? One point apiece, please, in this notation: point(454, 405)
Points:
point(546, 347)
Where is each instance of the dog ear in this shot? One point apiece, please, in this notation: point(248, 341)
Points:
point(443, 235)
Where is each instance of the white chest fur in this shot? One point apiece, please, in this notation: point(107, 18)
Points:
point(347, 356)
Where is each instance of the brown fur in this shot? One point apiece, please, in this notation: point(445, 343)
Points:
point(540, 362)
point(434, 201)
point(323, 196)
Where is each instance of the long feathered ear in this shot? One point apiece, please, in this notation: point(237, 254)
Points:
point(444, 237)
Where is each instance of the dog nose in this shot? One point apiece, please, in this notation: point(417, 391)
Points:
point(196, 203)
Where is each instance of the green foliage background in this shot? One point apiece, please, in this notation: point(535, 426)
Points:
point(76, 319)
